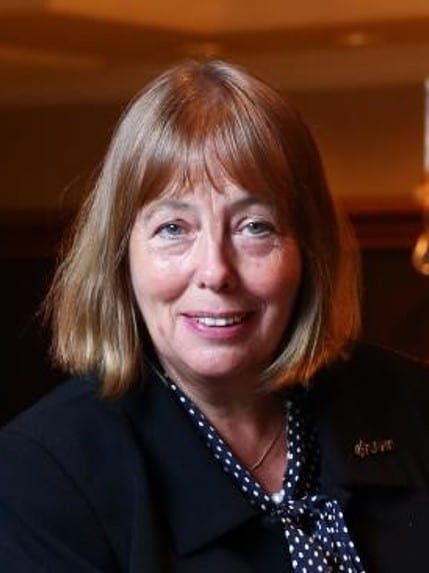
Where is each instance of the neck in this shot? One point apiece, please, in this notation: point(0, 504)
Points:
point(251, 422)
point(226, 397)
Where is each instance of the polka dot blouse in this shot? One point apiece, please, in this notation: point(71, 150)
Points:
point(314, 526)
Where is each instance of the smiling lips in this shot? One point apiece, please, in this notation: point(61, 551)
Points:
point(218, 320)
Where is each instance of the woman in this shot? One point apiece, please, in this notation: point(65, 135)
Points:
point(222, 417)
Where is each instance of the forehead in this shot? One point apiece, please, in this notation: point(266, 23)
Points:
point(229, 197)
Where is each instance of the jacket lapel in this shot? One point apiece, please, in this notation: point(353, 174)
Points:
point(198, 501)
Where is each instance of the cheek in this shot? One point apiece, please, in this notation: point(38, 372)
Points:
point(278, 281)
point(153, 279)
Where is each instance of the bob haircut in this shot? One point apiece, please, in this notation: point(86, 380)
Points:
point(195, 115)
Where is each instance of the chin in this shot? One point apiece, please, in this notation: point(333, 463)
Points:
point(215, 369)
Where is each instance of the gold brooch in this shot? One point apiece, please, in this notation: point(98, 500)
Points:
point(364, 449)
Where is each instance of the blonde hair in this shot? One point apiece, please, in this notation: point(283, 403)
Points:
point(166, 139)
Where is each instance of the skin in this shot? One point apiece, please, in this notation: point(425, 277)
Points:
point(216, 275)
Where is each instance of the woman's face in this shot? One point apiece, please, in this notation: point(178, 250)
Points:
point(215, 275)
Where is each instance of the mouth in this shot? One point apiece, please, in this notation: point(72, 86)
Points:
point(219, 320)
point(212, 321)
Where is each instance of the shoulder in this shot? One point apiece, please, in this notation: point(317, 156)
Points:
point(72, 454)
point(72, 418)
point(74, 426)
point(378, 368)
point(386, 358)
point(374, 387)
point(74, 399)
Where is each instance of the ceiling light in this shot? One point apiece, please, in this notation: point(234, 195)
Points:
point(358, 39)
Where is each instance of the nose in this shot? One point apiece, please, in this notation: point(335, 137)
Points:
point(215, 269)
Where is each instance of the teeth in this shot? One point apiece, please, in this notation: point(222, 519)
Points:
point(219, 321)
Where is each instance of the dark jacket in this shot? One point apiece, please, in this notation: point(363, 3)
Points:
point(93, 486)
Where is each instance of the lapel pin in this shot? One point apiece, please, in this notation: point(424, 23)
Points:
point(364, 449)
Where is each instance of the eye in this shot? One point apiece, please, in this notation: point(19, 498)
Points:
point(258, 228)
point(170, 230)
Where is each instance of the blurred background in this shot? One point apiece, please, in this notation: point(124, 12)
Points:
point(356, 70)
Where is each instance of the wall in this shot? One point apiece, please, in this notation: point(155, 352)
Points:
point(371, 141)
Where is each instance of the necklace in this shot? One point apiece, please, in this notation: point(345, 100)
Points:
point(166, 380)
point(268, 449)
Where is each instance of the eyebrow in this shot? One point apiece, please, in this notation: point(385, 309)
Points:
point(163, 204)
point(180, 205)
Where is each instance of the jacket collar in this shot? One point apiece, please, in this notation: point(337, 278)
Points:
point(199, 501)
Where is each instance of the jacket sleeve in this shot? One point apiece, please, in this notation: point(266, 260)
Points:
point(46, 522)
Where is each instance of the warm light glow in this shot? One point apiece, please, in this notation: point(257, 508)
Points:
point(356, 39)
point(421, 254)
